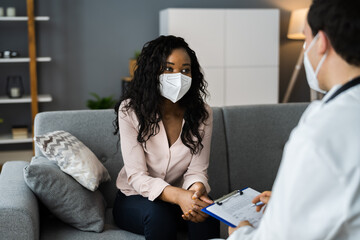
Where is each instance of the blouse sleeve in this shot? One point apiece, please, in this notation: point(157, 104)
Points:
point(134, 159)
point(197, 170)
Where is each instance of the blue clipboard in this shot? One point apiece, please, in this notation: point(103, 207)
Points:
point(220, 201)
point(216, 216)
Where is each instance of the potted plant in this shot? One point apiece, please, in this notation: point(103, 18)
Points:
point(100, 103)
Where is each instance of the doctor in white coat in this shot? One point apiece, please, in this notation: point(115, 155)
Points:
point(316, 194)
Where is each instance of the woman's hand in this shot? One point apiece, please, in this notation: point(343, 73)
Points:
point(190, 205)
point(201, 200)
point(200, 192)
point(195, 214)
point(263, 197)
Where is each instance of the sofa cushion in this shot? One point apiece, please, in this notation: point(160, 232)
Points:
point(52, 228)
point(65, 197)
point(95, 129)
point(73, 157)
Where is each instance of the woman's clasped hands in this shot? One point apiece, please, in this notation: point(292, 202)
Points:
point(193, 201)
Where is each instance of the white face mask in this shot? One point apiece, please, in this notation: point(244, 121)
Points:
point(174, 86)
point(311, 75)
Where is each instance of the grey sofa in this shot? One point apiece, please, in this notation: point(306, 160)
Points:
point(247, 145)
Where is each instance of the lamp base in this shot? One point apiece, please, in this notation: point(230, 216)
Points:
point(294, 77)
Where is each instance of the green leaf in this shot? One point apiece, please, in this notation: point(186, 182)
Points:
point(137, 54)
point(100, 103)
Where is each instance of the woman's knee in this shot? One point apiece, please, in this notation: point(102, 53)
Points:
point(161, 214)
point(155, 220)
point(160, 222)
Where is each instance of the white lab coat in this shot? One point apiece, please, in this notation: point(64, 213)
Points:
point(316, 194)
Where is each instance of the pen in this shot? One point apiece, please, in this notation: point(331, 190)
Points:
point(258, 204)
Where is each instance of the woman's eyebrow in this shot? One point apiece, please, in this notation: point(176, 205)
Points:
point(185, 64)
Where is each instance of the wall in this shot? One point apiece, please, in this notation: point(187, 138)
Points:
point(91, 41)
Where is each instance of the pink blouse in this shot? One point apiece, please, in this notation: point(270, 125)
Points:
point(149, 169)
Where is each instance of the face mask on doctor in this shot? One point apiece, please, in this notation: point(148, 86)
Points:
point(311, 75)
point(174, 86)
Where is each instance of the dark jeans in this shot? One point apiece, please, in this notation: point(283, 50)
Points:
point(158, 219)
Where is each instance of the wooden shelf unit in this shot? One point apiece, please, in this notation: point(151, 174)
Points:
point(34, 98)
point(24, 18)
point(8, 139)
point(25, 99)
point(24, 60)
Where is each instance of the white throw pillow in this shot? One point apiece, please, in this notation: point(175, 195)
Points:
point(73, 158)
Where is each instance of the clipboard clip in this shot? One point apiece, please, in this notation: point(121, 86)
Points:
point(227, 196)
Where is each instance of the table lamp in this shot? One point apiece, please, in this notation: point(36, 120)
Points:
point(296, 28)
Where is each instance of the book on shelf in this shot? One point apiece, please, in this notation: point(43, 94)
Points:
point(19, 132)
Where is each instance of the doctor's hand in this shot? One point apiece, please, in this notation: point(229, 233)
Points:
point(241, 224)
point(263, 197)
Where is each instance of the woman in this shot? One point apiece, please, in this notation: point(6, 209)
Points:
point(165, 131)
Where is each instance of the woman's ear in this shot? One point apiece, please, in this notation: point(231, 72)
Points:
point(323, 43)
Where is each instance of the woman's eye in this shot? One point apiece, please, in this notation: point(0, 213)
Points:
point(168, 69)
point(185, 70)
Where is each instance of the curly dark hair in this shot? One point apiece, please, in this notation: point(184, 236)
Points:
point(144, 98)
point(340, 20)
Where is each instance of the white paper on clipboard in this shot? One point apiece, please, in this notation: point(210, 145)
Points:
point(236, 208)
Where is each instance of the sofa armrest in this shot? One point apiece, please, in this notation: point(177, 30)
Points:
point(19, 210)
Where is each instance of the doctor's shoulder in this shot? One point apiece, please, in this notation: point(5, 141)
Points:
point(343, 112)
point(332, 122)
point(337, 125)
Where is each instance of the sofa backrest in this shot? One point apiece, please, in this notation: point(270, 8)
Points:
point(255, 138)
point(218, 166)
point(246, 146)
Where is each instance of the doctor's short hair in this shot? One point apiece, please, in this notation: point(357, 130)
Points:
point(340, 20)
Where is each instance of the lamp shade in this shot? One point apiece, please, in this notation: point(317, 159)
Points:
point(297, 24)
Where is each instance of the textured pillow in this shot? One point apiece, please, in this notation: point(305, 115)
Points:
point(65, 197)
point(73, 157)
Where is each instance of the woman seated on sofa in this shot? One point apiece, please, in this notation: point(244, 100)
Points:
point(165, 131)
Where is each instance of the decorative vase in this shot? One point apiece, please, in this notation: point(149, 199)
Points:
point(14, 87)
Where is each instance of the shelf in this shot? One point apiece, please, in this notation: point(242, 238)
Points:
point(25, 99)
point(7, 139)
point(20, 60)
point(20, 18)
point(31, 60)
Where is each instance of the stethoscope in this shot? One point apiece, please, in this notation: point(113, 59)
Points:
point(345, 87)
